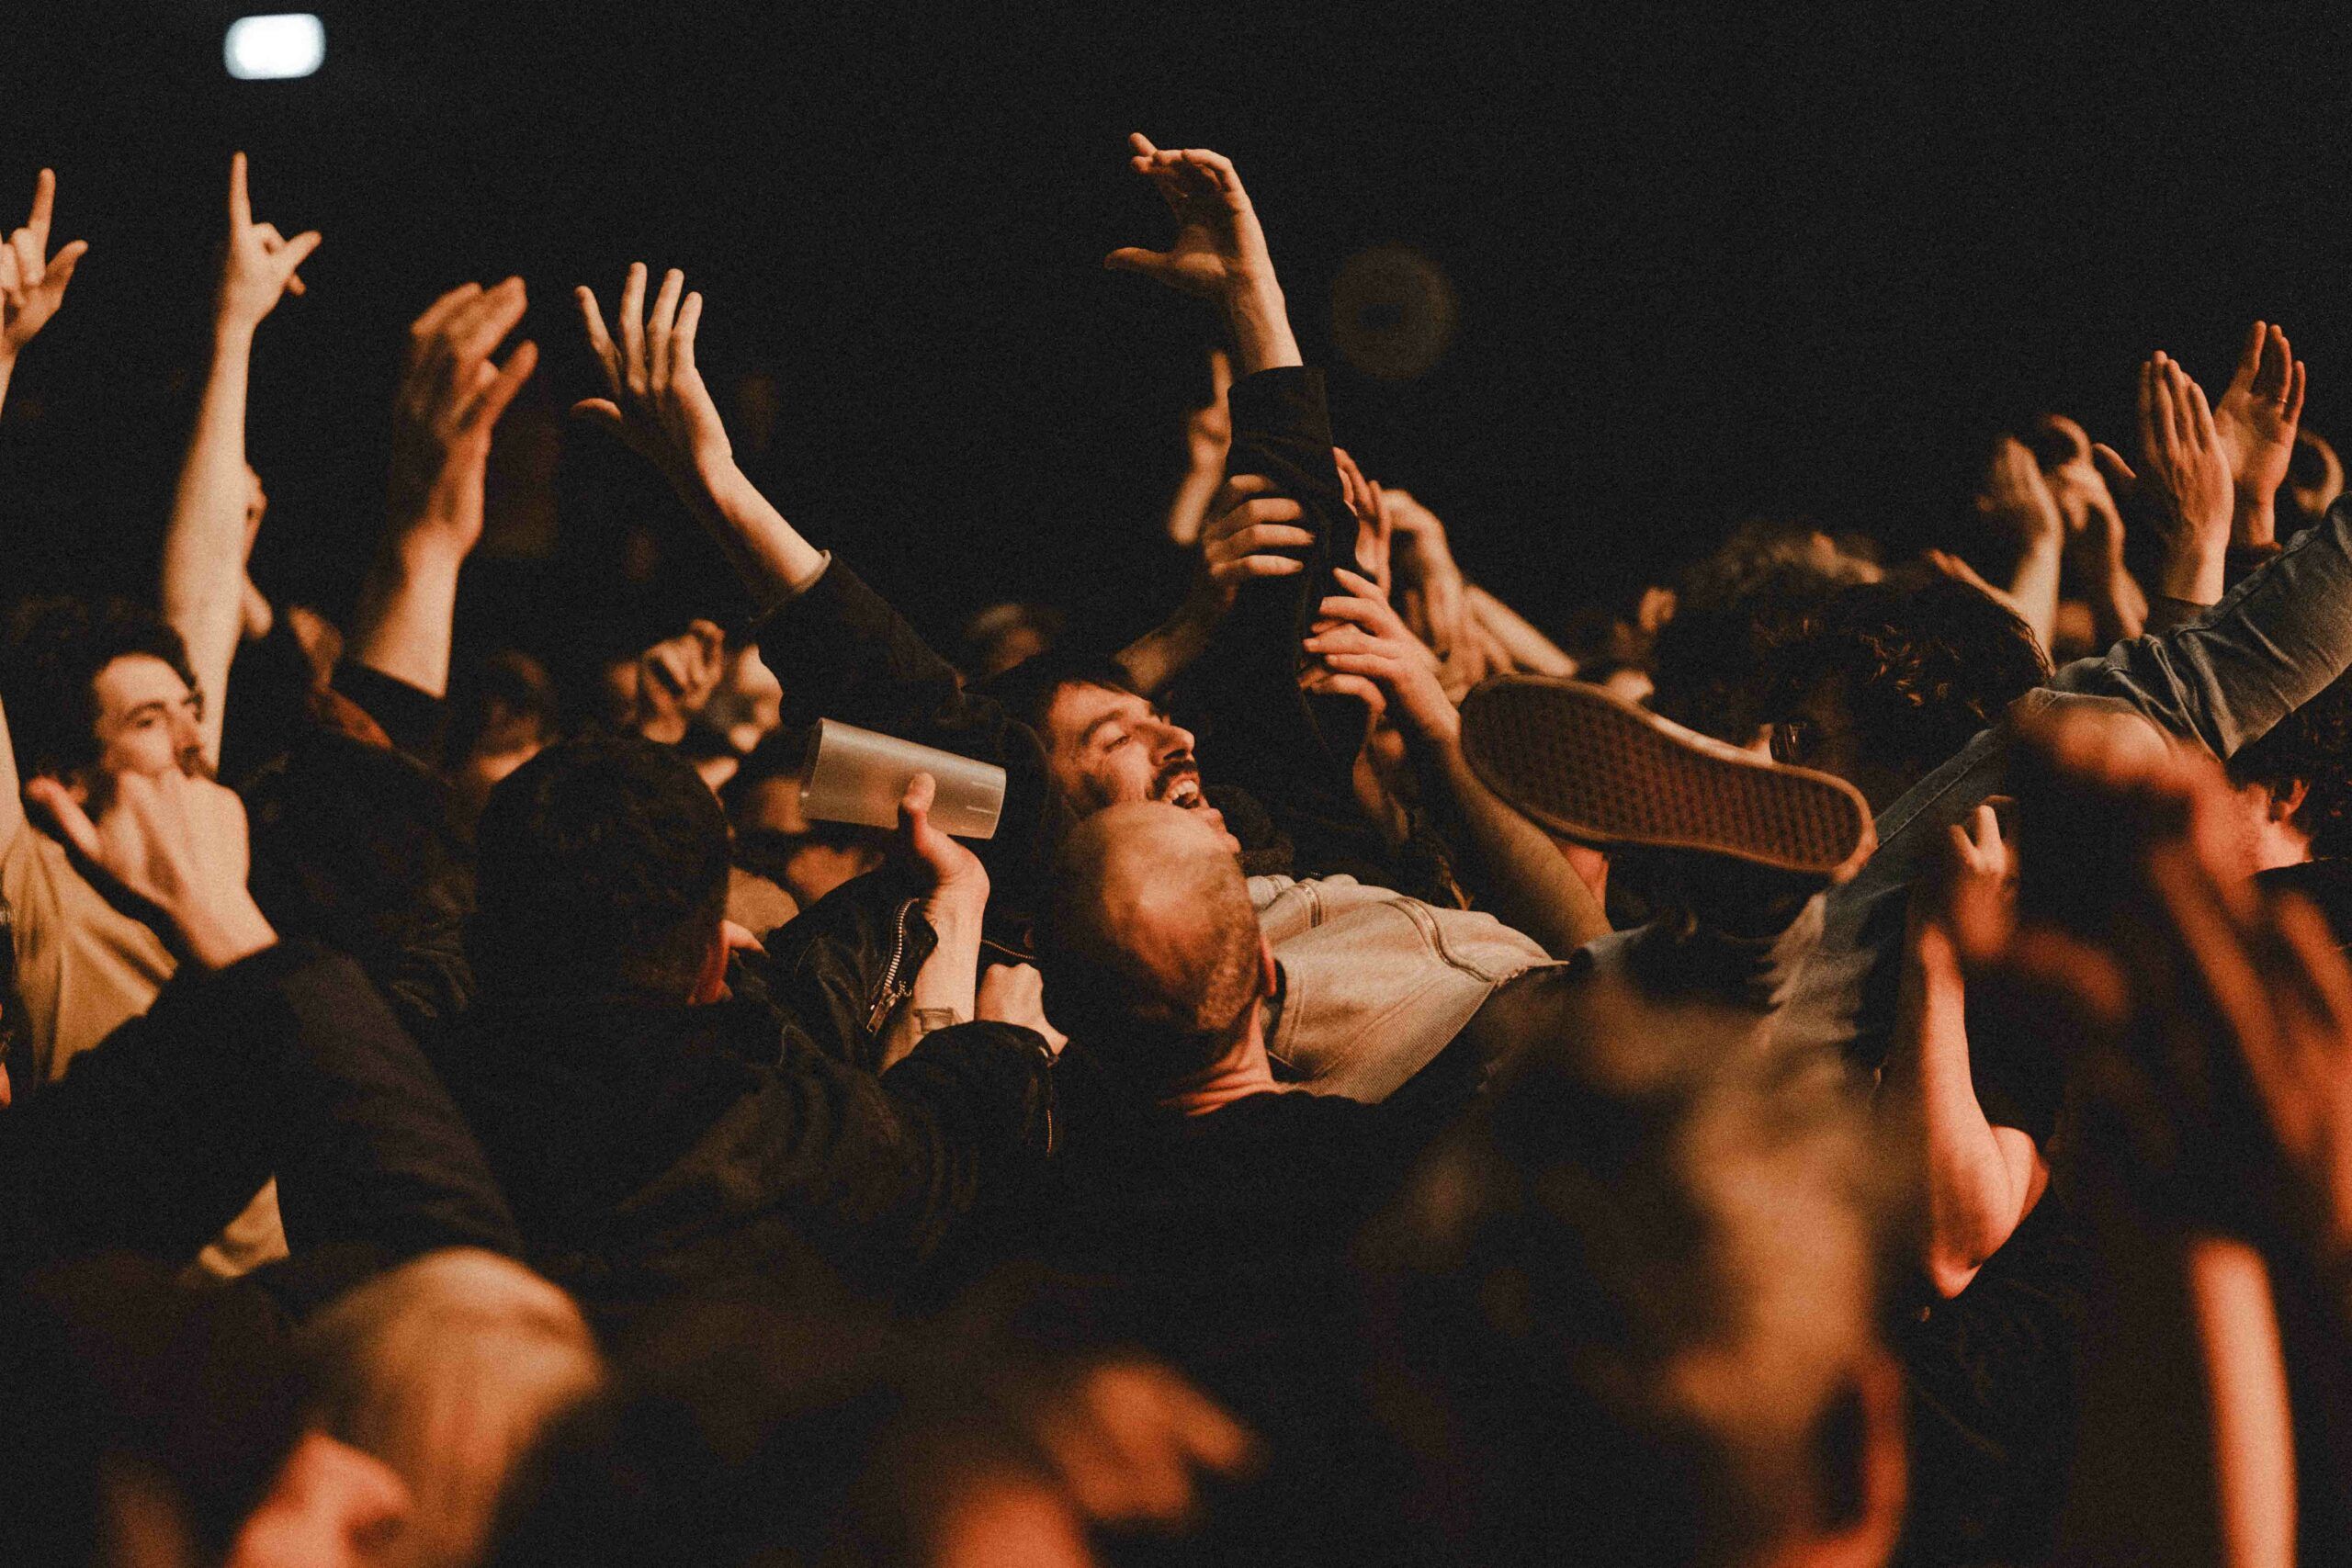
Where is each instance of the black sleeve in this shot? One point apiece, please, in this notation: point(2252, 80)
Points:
point(370, 1148)
point(875, 1171)
point(287, 1062)
point(842, 652)
point(1295, 752)
point(415, 720)
point(268, 702)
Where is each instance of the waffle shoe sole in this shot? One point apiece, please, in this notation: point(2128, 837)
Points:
point(1588, 765)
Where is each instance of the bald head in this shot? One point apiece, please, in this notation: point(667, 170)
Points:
point(1149, 941)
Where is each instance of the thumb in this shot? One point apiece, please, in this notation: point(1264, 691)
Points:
point(295, 252)
point(2112, 468)
point(72, 822)
point(1135, 258)
point(600, 411)
point(914, 806)
point(61, 265)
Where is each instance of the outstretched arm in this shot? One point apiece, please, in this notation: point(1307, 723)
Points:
point(658, 405)
point(32, 286)
point(1219, 253)
point(205, 547)
point(33, 282)
point(1521, 878)
point(449, 400)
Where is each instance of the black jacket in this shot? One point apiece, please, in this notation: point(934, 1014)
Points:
point(289, 1062)
point(651, 1149)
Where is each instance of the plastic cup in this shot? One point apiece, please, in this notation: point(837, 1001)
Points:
point(856, 775)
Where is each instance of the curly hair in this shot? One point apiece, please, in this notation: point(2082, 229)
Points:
point(54, 650)
point(1925, 663)
point(2311, 745)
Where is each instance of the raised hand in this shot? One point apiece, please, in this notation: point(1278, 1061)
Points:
point(2216, 1023)
point(2015, 503)
point(450, 396)
point(1370, 654)
point(1208, 431)
point(2086, 502)
point(1431, 586)
point(661, 408)
point(178, 842)
point(258, 264)
point(1208, 437)
point(2257, 418)
point(1219, 252)
point(33, 282)
point(1247, 523)
point(658, 403)
point(2187, 478)
point(675, 680)
point(1373, 524)
point(952, 874)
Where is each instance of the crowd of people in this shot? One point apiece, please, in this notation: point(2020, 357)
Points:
point(1848, 1063)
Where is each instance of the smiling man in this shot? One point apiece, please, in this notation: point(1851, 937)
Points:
point(93, 693)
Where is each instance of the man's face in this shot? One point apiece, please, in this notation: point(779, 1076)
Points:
point(1105, 746)
point(149, 719)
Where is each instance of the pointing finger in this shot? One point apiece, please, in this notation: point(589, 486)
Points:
point(241, 206)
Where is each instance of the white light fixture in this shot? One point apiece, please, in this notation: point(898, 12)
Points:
point(272, 49)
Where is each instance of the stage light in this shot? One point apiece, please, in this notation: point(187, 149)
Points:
point(272, 49)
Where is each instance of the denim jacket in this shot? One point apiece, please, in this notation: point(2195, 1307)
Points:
point(2274, 642)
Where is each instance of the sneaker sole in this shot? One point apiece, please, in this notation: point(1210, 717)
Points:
point(1591, 766)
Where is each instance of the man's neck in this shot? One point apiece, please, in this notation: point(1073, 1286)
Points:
point(1239, 1074)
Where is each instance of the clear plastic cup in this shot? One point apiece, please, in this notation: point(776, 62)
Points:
point(856, 775)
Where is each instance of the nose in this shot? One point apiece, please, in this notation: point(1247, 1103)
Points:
point(1174, 740)
point(187, 734)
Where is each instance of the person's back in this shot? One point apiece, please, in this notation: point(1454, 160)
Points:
point(653, 1135)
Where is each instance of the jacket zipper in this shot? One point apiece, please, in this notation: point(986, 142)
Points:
point(890, 993)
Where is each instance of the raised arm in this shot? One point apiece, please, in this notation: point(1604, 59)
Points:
point(1982, 1179)
point(2016, 502)
point(33, 282)
point(2093, 561)
point(658, 405)
point(205, 547)
point(1219, 253)
point(32, 286)
point(450, 396)
point(1511, 863)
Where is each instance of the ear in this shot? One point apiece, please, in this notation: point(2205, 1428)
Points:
point(1269, 974)
point(711, 981)
point(2285, 803)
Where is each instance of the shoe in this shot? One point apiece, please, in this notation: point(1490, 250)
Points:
point(1587, 765)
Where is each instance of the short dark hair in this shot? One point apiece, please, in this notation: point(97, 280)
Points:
point(1629, 1301)
point(601, 870)
point(1925, 662)
point(2311, 745)
point(54, 650)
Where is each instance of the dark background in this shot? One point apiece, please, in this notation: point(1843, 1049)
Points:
point(1797, 266)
